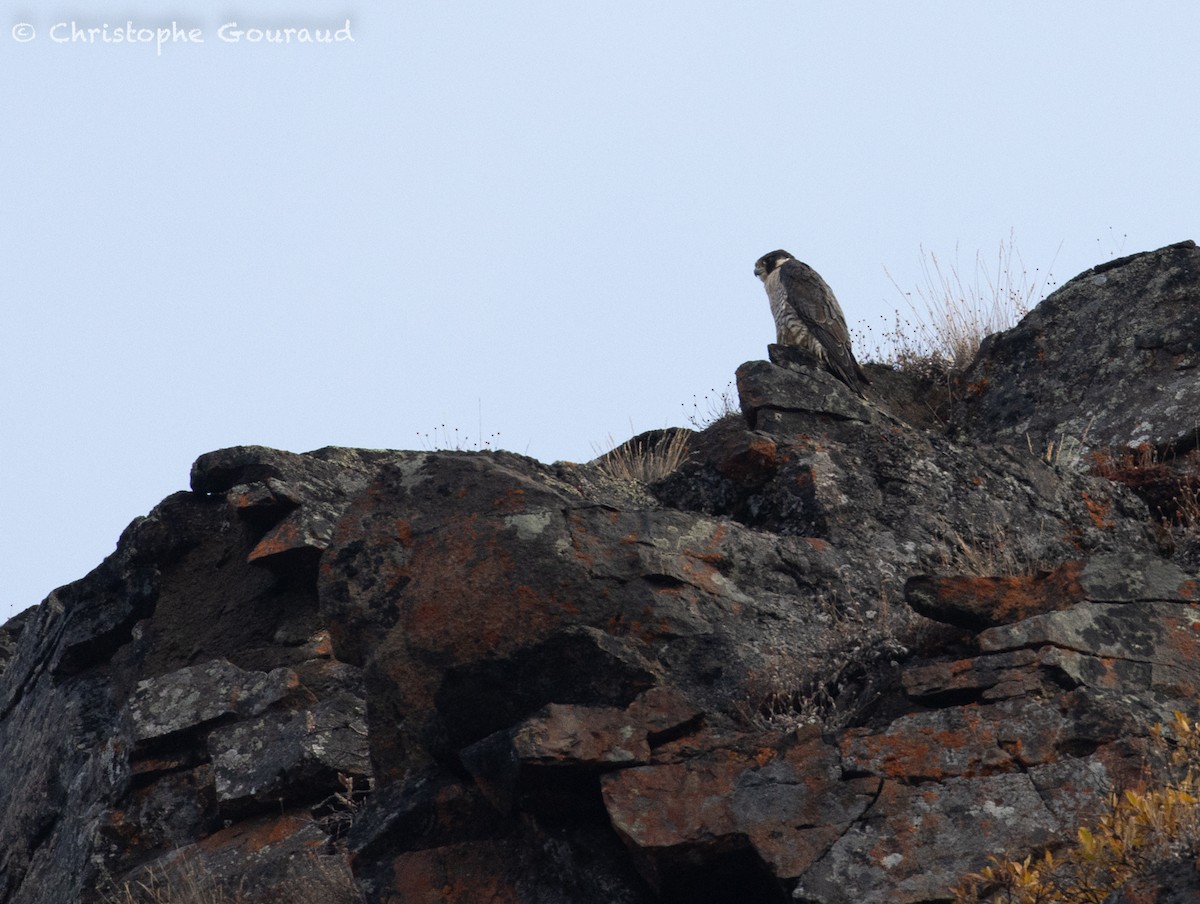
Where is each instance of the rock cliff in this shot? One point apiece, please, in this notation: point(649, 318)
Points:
point(842, 654)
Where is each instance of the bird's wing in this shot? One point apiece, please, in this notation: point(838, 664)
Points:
point(815, 304)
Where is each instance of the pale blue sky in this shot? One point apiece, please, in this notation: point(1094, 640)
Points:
point(543, 213)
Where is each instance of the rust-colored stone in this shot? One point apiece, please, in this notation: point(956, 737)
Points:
point(929, 746)
point(457, 874)
point(982, 602)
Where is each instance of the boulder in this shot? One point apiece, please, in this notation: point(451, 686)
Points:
point(1107, 360)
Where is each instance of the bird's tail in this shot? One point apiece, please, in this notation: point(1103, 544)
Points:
point(848, 370)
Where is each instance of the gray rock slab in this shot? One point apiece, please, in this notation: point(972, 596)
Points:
point(201, 693)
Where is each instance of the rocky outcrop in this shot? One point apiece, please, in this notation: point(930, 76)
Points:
point(1108, 360)
point(178, 702)
point(831, 658)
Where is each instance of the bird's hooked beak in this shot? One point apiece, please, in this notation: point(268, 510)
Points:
point(760, 270)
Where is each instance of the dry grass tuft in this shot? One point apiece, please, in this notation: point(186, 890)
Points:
point(950, 314)
point(188, 880)
point(848, 680)
point(337, 813)
point(647, 458)
point(713, 407)
point(184, 881)
point(451, 439)
point(996, 551)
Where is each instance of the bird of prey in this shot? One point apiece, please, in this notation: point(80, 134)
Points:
point(808, 317)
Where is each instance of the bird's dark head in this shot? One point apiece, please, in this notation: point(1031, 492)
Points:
point(768, 263)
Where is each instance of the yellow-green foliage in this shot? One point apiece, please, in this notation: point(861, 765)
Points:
point(1142, 829)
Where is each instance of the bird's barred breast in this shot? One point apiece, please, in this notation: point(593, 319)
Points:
point(789, 328)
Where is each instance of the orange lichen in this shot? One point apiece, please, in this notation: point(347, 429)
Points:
point(452, 603)
point(1098, 511)
point(1003, 600)
point(252, 836)
point(404, 531)
point(282, 538)
point(511, 500)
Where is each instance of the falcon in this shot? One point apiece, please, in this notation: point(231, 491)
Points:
point(808, 317)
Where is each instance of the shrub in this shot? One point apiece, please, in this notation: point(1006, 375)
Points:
point(1142, 831)
point(1170, 486)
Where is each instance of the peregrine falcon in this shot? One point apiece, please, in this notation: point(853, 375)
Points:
point(808, 317)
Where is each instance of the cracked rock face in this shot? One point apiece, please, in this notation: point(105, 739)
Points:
point(832, 658)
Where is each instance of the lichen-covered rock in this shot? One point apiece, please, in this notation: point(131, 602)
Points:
point(977, 601)
point(121, 684)
point(288, 754)
point(197, 694)
point(917, 841)
point(1109, 359)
